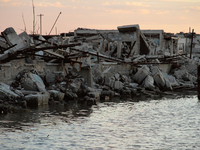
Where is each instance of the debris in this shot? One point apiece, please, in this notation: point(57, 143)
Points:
point(89, 65)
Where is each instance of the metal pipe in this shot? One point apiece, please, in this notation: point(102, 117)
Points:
point(54, 23)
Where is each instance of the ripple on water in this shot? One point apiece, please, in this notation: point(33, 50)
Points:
point(152, 124)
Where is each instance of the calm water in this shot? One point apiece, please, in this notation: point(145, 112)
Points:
point(150, 124)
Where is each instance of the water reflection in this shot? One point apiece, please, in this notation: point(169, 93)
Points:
point(45, 115)
point(116, 124)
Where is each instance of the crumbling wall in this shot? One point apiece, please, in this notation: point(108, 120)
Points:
point(9, 71)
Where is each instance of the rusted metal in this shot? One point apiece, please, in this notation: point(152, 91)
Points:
point(94, 54)
point(5, 49)
point(131, 49)
point(32, 50)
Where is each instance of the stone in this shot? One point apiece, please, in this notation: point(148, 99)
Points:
point(159, 79)
point(70, 95)
point(107, 93)
point(95, 95)
point(37, 99)
point(141, 74)
point(118, 85)
point(171, 79)
point(133, 85)
point(56, 95)
point(32, 82)
point(50, 78)
point(6, 93)
point(149, 83)
point(184, 75)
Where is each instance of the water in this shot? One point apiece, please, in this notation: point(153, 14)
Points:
point(150, 124)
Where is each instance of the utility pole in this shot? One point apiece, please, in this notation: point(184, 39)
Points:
point(191, 44)
point(41, 23)
point(33, 17)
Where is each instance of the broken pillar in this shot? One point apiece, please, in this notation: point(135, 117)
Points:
point(119, 49)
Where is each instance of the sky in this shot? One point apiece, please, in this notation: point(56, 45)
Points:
point(169, 15)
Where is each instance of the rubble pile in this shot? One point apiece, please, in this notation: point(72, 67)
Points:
point(90, 65)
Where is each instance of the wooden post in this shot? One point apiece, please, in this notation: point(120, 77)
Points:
point(191, 44)
point(98, 57)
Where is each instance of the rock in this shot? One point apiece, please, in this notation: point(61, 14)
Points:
point(50, 78)
point(118, 85)
point(133, 85)
point(6, 93)
point(37, 99)
point(149, 83)
point(95, 95)
point(126, 92)
point(56, 95)
point(184, 75)
point(171, 79)
point(141, 74)
point(70, 95)
point(32, 82)
point(107, 93)
point(75, 85)
point(133, 91)
point(159, 79)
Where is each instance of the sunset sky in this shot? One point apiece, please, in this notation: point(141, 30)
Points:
point(170, 15)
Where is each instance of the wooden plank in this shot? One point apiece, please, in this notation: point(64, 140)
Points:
point(53, 53)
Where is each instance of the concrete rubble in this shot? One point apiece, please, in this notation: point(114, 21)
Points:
point(90, 65)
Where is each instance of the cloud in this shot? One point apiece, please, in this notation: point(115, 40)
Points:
point(144, 11)
point(186, 11)
point(56, 4)
point(195, 7)
point(11, 3)
point(162, 12)
point(136, 4)
point(5, 1)
point(106, 3)
point(119, 11)
point(18, 4)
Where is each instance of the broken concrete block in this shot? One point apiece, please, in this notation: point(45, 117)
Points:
point(6, 93)
point(50, 78)
point(149, 83)
point(118, 85)
point(107, 93)
point(12, 38)
point(184, 75)
point(139, 58)
point(126, 92)
point(32, 82)
point(168, 85)
point(95, 95)
point(159, 79)
point(70, 95)
point(75, 86)
point(56, 95)
point(171, 79)
point(37, 99)
point(133, 85)
point(141, 75)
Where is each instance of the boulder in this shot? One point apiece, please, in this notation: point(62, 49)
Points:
point(56, 95)
point(6, 93)
point(118, 85)
point(141, 74)
point(32, 82)
point(37, 99)
point(149, 83)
